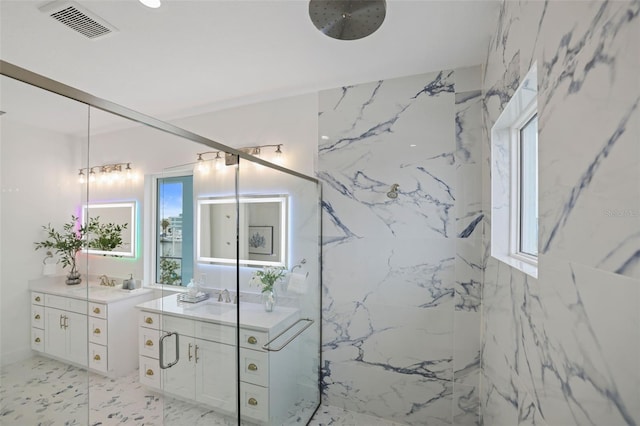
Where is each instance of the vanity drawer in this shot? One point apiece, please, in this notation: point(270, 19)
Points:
point(254, 367)
point(254, 401)
point(98, 330)
point(252, 339)
point(148, 339)
point(149, 372)
point(182, 326)
point(37, 339)
point(215, 332)
point(37, 316)
point(37, 298)
point(66, 303)
point(98, 357)
point(97, 310)
point(149, 320)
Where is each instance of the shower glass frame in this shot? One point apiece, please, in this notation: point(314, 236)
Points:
point(244, 159)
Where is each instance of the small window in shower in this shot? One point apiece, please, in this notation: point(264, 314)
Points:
point(514, 179)
point(527, 231)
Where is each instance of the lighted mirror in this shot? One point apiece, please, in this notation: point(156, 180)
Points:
point(119, 214)
point(262, 227)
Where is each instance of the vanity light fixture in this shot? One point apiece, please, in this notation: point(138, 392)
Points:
point(222, 158)
point(109, 173)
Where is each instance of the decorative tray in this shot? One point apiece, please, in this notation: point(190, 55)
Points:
point(184, 297)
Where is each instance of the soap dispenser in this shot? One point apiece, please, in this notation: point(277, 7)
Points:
point(129, 284)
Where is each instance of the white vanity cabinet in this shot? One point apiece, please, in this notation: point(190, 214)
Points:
point(206, 358)
point(94, 328)
point(65, 330)
point(206, 367)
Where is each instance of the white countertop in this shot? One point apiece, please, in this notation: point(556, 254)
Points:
point(252, 315)
point(93, 292)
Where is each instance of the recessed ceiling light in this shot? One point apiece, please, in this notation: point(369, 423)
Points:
point(324, 138)
point(413, 145)
point(154, 4)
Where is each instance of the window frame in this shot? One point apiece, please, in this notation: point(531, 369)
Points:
point(150, 228)
point(515, 226)
point(504, 175)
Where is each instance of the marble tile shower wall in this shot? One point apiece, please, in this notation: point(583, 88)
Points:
point(402, 276)
point(564, 349)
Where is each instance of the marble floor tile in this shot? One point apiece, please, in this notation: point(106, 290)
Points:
point(45, 392)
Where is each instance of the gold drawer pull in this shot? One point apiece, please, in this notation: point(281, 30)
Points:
point(37, 316)
point(149, 372)
point(149, 342)
point(252, 367)
point(253, 401)
point(252, 340)
point(97, 357)
point(96, 310)
point(148, 320)
point(37, 340)
point(96, 331)
point(38, 298)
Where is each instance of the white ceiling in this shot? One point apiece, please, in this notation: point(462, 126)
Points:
point(189, 57)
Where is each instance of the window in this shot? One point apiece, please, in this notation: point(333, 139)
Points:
point(528, 189)
point(174, 230)
point(514, 180)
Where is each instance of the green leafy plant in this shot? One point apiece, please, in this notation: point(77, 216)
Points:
point(73, 238)
point(268, 276)
point(168, 271)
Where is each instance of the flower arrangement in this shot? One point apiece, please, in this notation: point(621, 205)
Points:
point(267, 277)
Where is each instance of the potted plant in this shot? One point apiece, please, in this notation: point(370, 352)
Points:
point(266, 278)
point(68, 242)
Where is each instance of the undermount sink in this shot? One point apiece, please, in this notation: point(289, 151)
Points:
point(211, 308)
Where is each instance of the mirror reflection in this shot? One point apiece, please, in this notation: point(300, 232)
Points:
point(118, 213)
point(262, 223)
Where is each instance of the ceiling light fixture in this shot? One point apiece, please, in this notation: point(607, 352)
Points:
point(153, 4)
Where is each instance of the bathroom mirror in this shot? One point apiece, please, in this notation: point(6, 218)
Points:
point(118, 213)
point(262, 230)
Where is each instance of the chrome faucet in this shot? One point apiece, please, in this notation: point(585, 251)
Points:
point(224, 296)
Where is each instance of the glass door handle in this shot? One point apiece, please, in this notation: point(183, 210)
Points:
point(171, 364)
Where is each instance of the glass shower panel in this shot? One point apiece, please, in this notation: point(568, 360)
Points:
point(279, 284)
point(197, 219)
point(114, 266)
point(43, 320)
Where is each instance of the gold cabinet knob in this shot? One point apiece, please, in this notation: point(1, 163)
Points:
point(37, 316)
point(37, 340)
point(96, 331)
point(149, 342)
point(149, 372)
point(38, 298)
point(148, 320)
point(252, 340)
point(253, 401)
point(97, 357)
point(252, 367)
point(96, 310)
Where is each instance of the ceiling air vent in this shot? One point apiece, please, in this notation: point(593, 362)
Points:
point(78, 18)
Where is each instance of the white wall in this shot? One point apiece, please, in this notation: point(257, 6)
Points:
point(38, 187)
